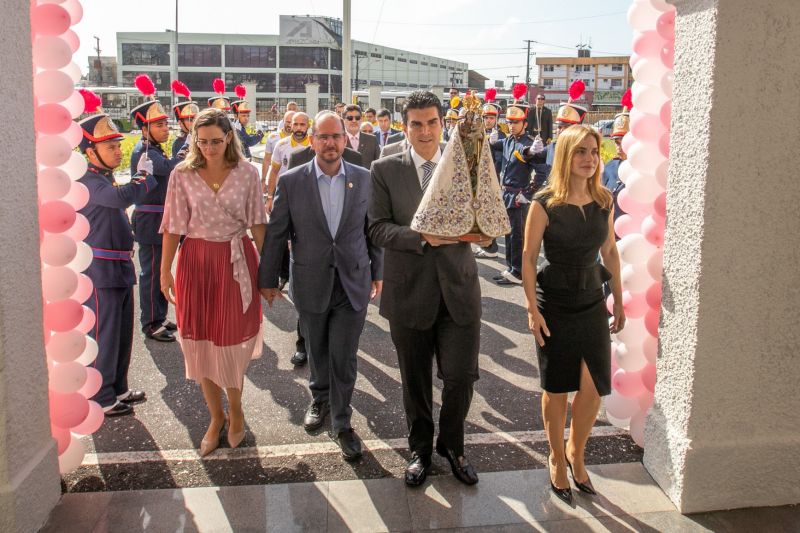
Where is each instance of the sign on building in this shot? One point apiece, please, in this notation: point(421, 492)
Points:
point(299, 30)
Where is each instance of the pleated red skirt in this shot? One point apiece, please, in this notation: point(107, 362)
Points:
point(217, 339)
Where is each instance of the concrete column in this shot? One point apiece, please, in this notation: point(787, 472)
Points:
point(29, 480)
point(312, 99)
point(724, 429)
point(375, 97)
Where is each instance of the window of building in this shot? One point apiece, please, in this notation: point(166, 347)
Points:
point(160, 79)
point(336, 84)
point(587, 68)
point(616, 82)
point(145, 54)
point(375, 54)
point(250, 56)
point(199, 81)
point(412, 61)
point(265, 82)
point(388, 58)
point(549, 68)
point(548, 82)
point(434, 65)
point(401, 60)
point(199, 55)
point(296, 83)
point(424, 63)
point(389, 83)
point(444, 67)
point(303, 57)
point(616, 68)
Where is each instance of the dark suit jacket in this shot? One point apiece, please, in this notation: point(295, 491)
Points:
point(297, 214)
point(417, 278)
point(301, 157)
point(547, 124)
point(368, 148)
point(378, 132)
point(396, 138)
point(394, 148)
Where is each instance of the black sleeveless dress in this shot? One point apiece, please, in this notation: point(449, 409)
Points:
point(570, 297)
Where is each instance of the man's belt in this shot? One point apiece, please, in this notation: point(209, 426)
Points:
point(515, 190)
point(112, 255)
point(150, 208)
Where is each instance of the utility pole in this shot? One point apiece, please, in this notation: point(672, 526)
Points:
point(513, 79)
point(175, 58)
point(528, 63)
point(99, 64)
point(346, 51)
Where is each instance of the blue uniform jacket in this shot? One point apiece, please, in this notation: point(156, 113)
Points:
point(497, 153)
point(178, 144)
point(150, 209)
point(110, 230)
point(515, 175)
point(248, 140)
point(612, 182)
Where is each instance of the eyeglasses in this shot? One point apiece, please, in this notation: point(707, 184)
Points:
point(212, 142)
point(540, 97)
point(352, 118)
point(325, 137)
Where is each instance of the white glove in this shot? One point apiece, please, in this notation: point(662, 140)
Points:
point(521, 199)
point(144, 166)
point(237, 126)
point(493, 136)
point(538, 145)
point(189, 139)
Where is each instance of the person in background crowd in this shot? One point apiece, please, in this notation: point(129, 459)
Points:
point(269, 147)
point(339, 108)
point(367, 128)
point(283, 149)
point(567, 315)
point(370, 118)
point(385, 131)
point(611, 179)
point(214, 199)
point(450, 122)
point(290, 106)
point(242, 111)
point(540, 120)
point(111, 270)
point(364, 143)
point(184, 114)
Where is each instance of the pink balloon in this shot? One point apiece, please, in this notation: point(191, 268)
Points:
point(668, 55)
point(637, 428)
point(653, 230)
point(62, 437)
point(651, 321)
point(655, 266)
point(74, 9)
point(620, 406)
point(653, 296)
point(83, 289)
point(630, 358)
point(52, 150)
point(666, 114)
point(58, 283)
point(646, 401)
point(75, 103)
point(72, 456)
point(650, 349)
point(610, 304)
point(94, 380)
point(56, 216)
point(662, 173)
point(51, 119)
point(665, 26)
point(53, 183)
point(73, 134)
point(627, 383)
point(643, 187)
point(631, 206)
point(51, 52)
point(57, 250)
point(67, 377)
point(87, 321)
point(625, 225)
point(68, 410)
point(72, 40)
point(663, 144)
point(49, 19)
point(648, 44)
point(646, 127)
point(62, 315)
point(660, 206)
point(649, 377)
point(78, 195)
point(627, 142)
point(667, 82)
point(635, 277)
point(93, 420)
point(52, 86)
point(66, 346)
point(80, 229)
point(635, 304)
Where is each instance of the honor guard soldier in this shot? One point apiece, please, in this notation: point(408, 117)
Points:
point(184, 114)
point(111, 270)
point(450, 122)
point(568, 114)
point(241, 110)
point(519, 154)
point(151, 118)
point(611, 171)
point(490, 112)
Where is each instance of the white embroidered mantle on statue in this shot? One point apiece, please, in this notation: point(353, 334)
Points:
point(448, 208)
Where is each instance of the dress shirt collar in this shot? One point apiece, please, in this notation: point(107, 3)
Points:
point(419, 160)
point(319, 173)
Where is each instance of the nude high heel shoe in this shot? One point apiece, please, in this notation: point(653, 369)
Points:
point(207, 446)
point(235, 439)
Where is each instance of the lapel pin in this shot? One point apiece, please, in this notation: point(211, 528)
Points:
point(350, 185)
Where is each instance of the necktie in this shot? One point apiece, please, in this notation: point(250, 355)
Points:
point(427, 169)
point(385, 136)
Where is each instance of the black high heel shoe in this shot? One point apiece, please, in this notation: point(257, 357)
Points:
point(564, 495)
point(583, 487)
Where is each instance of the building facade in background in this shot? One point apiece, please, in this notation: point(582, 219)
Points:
point(606, 78)
point(102, 71)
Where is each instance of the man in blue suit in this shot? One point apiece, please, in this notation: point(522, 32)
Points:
point(384, 131)
point(335, 271)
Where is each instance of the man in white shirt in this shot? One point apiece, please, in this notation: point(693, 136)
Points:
point(283, 149)
point(284, 130)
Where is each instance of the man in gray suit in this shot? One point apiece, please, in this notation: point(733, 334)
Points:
point(365, 143)
point(395, 147)
point(335, 271)
point(432, 298)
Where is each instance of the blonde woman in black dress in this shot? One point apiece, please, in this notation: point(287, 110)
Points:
point(573, 216)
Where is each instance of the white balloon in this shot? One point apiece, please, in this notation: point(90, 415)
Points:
point(625, 171)
point(76, 166)
point(636, 278)
point(648, 98)
point(634, 248)
point(643, 188)
point(650, 349)
point(637, 427)
point(75, 104)
point(90, 353)
point(645, 157)
point(631, 359)
point(649, 71)
point(643, 16)
point(667, 80)
point(655, 265)
point(619, 406)
point(622, 423)
point(634, 332)
point(73, 135)
point(83, 257)
point(72, 456)
point(73, 71)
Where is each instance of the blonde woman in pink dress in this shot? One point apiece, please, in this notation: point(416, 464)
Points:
point(213, 199)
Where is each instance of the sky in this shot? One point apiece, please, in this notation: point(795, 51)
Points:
point(487, 35)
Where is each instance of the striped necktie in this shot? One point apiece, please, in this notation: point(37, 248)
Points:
point(427, 168)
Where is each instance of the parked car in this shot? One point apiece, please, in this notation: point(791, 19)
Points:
point(605, 127)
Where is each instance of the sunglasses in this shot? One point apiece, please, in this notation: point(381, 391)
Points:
point(351, 118)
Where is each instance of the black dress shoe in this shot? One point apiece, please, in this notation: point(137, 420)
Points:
point(299, 359)
point(161, 334)
point(498, 277)
point(119, 409)
point(463, 471)
point(134, 396)
point(350, 444)
point(171, 326)
point(315, 415)
point(583, 487)
point(564, 495)
point(417, 469)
